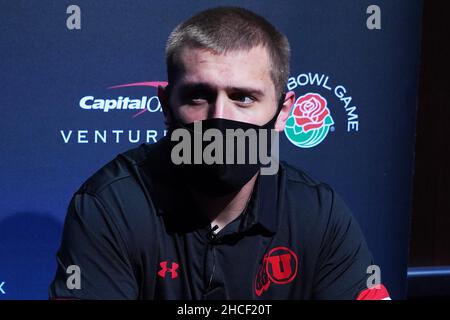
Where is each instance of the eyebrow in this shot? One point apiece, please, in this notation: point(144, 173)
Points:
point(208, 88)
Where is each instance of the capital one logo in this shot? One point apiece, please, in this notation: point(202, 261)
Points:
point(140, 106)
point(280, 266)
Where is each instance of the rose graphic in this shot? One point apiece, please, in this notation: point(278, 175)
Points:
point(309, 122)
point(310, 111)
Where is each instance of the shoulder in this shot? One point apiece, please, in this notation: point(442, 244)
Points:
point(119, 171)
point(321, 217)
point(311, 201)
point(117, 195)
point(304, 188)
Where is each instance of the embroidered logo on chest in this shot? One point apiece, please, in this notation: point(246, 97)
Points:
point(279, 266)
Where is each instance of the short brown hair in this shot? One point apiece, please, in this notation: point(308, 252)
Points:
point(225, 29)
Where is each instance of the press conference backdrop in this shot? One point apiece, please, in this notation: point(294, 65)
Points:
point(68, 68)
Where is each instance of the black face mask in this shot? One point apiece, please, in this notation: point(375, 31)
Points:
point(219, 179)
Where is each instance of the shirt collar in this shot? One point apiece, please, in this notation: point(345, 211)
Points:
point(263, 206)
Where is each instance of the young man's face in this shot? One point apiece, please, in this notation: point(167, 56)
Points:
point(235, 86)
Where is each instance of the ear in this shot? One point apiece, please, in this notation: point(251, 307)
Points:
point(285, 111)
point(163, 96)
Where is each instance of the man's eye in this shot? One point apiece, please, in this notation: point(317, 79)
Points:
point(242, 98)
point(196, 99)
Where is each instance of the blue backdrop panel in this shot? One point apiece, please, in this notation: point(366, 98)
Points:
point(54, 132)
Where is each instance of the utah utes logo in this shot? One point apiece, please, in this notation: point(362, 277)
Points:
point(172, 270)
point(279, 266)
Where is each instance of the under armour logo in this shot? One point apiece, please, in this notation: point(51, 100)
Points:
point(165, 269)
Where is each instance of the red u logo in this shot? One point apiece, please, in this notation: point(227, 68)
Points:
point(282, 265)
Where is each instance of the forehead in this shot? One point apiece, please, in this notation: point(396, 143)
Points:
point(234, 68)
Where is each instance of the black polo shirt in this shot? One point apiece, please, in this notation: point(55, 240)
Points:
point(134, 232)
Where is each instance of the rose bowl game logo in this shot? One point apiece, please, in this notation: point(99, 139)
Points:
point(313, 116)
point(309, 122)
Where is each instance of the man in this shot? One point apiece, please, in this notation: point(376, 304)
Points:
point(147, 226)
